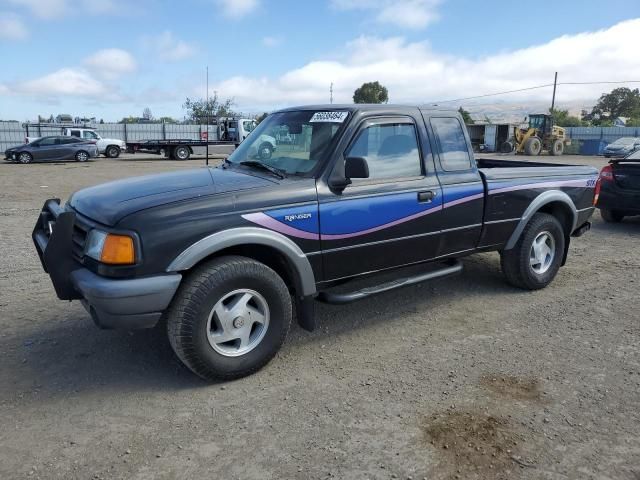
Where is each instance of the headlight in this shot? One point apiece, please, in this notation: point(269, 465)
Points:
point(110, 248)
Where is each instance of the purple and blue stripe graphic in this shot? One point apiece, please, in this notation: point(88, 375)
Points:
point(361, 216)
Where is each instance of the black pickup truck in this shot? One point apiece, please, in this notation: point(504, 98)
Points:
point(223, 255)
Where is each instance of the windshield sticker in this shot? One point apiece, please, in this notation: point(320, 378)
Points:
point(335, 117)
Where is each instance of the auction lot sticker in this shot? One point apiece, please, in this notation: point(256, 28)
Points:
point(335, 117)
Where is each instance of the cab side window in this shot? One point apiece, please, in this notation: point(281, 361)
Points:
point(454, 153)
point(391, 150)
point(75, 133)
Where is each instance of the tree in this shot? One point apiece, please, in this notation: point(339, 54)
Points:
point(371, 92)
point(129, 119)
point(198, 109)
point(146, 114)
point(466, 116)
point(563, 119)
point(167, 120)
point(620, 102)
point(260, 118)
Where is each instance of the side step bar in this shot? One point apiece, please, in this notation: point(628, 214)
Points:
point(452, 267)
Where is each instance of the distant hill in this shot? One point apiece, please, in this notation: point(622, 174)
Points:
point(503, 112)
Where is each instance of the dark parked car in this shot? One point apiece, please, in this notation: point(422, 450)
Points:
point(621, 147)
point(53, 148)
point(618, 188)
point(226, 255)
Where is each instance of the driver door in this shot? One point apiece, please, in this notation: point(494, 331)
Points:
point(391, 218)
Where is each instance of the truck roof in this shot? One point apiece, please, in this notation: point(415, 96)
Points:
point(381, 107)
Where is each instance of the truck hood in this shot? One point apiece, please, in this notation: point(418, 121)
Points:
point(109, 202)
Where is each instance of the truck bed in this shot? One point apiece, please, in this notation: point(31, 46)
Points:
point(495, 169)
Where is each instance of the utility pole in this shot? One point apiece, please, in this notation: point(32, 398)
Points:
point(553, 98)
point(207, 136)
point(331, 93)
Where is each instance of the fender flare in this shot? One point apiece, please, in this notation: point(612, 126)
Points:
point(540, 201)
point(250, 235)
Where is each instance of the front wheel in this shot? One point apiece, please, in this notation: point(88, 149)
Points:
point(611, 216)
point(533, 146)
point(229, 318)
point(25, 158)
point(536, 257)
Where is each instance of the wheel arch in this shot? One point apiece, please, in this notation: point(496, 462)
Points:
point(553, 202)
point(271, 248)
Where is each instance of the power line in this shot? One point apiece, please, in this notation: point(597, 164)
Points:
point(496, 93)
point(535, 88)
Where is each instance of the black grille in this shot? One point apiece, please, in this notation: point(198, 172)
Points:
point(79, 237)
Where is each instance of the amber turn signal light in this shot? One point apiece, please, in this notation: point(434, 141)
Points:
point(118, 250)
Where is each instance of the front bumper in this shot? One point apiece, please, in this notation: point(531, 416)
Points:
point(113, 303)
point(127, 304)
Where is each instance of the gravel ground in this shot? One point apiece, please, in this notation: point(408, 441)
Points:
point(461, 378)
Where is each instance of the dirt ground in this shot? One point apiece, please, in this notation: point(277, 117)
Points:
point(460, 378)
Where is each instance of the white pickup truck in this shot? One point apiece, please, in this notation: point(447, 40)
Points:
point(109, 147)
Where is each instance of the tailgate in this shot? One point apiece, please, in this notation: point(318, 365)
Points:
point(627, 175)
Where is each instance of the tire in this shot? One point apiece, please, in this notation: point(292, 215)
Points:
point(25, 157)
point(181, 153)
point(112, 151)
point(518, 263)
point(193, 319)
point(265, 151)
point(506, 147)
point(557, 148)
point(82, 156)
point(611, 216)
point(533, 146)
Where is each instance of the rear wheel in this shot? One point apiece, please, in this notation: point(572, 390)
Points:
point(533, 146)
point(611, 216)
point(536, 257)
point(25, 158)
point(181, 153)
point(82, 156)
point(112, 151)
point(229, 317)
point(557, 148)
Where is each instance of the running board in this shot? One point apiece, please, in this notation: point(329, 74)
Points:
point(453, 267)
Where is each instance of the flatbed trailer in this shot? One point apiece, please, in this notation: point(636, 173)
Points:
point(176, 149)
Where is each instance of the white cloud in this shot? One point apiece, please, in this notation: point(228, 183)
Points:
point(12, 27)
point(271, 42)
point(169, 48)
point(52, 9)
point(111, 62)
point(237, 8)
point(95, 80)
point(66, 81)
point(414, 73)
point(414, 14)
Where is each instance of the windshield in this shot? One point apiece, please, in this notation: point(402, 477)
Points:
point(293, 142)
point(249, 125)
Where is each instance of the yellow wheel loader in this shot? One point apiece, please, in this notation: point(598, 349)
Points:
point(541, 135)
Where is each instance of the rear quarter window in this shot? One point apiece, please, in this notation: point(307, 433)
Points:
point(452, 143)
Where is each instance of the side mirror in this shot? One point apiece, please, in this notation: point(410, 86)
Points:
point(356, 167)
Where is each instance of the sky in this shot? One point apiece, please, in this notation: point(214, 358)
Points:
point(113, 58)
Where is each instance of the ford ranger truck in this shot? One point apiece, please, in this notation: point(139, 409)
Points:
point(222, 257)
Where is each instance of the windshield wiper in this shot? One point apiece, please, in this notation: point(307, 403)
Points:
point(254, 163)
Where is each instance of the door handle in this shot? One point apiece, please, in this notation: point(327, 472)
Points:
point(426, 197)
